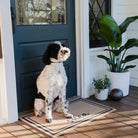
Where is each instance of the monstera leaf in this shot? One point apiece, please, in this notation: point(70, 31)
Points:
point(110, 31)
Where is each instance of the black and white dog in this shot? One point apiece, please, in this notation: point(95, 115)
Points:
point(51, 83)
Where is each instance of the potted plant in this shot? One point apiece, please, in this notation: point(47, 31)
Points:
point(101, 88)
point(117, 60)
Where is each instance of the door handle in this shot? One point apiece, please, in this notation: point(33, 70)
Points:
point(13, 16)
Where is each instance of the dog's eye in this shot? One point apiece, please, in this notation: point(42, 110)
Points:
point(62, 51)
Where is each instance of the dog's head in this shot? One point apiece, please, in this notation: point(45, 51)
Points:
point(56, 52)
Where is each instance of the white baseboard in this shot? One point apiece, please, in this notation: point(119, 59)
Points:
point(3, 122)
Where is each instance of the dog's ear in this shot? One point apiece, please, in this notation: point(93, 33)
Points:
point(63, 45)
point(46, 56)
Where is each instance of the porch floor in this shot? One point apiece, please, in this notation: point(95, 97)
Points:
point(123, 123)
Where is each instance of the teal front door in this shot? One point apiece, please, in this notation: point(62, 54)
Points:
point(36, 24)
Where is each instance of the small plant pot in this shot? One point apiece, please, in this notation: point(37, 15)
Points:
point(103, 95)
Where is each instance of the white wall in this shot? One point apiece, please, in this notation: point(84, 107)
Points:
point(121, 10)
point(98, 66)
point(0, 91)
point(132, 32)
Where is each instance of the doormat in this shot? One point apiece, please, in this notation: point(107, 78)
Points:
point(83, 110)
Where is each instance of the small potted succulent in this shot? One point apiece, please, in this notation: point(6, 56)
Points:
point(101, 88)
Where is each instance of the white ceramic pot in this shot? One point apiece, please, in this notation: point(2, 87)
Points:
point(119, 80)
point(103, 95)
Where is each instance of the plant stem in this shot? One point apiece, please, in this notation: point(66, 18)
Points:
point(114, 60)
point(110, 66)
point(122, 59)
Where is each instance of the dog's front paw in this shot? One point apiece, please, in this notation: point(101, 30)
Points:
point(69, 115)
point(59, 110)
point(49, 120)
point(38, 113)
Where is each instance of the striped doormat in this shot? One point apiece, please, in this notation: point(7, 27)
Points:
point(83, 110)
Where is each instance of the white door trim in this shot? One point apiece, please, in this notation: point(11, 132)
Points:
point(82, 47)
point(8, 81)
point(8, 94)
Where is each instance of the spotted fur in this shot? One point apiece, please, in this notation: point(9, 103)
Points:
point(51, 83)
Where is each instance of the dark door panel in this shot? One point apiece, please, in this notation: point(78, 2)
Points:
point(30, 43)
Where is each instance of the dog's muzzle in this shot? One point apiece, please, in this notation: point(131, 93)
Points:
point(64, 51)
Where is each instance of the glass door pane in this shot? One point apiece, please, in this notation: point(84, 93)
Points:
point(40, 12)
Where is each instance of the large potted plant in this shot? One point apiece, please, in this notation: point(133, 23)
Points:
point(117, 59)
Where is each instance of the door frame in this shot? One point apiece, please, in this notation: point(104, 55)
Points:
point(9, 105)
point(8, 95)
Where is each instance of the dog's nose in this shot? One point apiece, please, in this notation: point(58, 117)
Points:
point(64, 51)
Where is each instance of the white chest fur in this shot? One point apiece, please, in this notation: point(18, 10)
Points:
point(53, 78)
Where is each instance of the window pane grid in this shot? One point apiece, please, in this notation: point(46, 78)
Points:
point(97, 8)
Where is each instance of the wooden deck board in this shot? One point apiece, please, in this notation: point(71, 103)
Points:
point(123, 123)
point(5, 134)
point(19, 131)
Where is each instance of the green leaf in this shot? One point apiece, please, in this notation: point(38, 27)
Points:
point(101, 83)
point(130, 58)
point(110, 31)
point(131, 43)
point(106, 59)
point(106, 49)
point(130, 66)
point(115, 52)
point(111, 63)
point(125, 24)
point(121, 48)
point(103, 57)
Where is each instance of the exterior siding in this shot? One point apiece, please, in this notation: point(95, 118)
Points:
point(0, 46)
point(1, 72)
point(123, 9)
point(98, 67)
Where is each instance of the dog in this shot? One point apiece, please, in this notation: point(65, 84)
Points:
point(51, 83)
